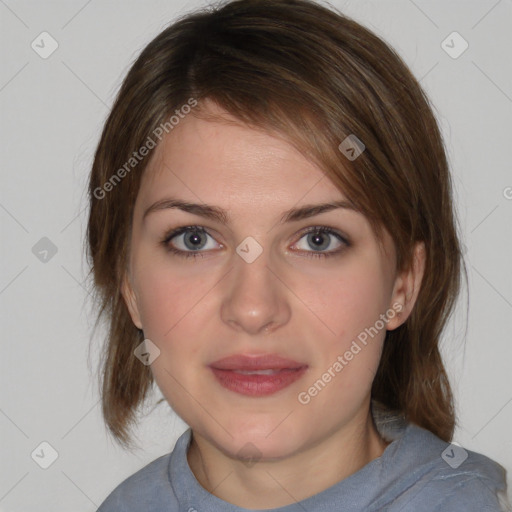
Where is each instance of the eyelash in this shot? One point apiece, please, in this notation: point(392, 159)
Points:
point(199, 229)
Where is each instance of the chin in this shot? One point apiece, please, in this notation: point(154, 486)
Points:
point(255, 445)
point(264, 436)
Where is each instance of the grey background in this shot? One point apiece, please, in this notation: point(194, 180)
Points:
point(52, 111)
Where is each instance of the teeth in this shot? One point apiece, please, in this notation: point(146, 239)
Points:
point(257, 372)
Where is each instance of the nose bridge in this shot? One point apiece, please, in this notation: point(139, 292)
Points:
point(254, 299)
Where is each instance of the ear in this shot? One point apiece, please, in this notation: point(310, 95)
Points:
point(130, 299)
point(407, 286)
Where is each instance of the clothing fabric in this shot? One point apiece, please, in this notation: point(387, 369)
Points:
point(417, 472)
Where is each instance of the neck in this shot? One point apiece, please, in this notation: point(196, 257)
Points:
point(276, 483)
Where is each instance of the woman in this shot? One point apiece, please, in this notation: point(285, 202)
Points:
point(273, 243)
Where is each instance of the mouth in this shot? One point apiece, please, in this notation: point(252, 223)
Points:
point(260, 375)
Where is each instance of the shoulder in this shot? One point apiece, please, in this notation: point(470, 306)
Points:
point(476, 493)
point(148, 489)
point(446, 476)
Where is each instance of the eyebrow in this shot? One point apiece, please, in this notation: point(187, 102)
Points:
point(218, 214)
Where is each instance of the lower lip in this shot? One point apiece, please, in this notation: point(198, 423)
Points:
point(257, 385)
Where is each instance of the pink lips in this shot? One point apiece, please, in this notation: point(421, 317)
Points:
point(236, 373)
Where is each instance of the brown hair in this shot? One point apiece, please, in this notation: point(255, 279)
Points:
point(314, 76)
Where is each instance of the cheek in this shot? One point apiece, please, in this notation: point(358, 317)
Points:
point(176, 312)
point(167, 296)
point(349, 303)
point(347, 300)
point(158, 306)
point(348, 360)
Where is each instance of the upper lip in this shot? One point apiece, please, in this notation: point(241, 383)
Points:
point(255, 362)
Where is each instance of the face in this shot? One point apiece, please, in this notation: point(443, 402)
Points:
point(306, 288)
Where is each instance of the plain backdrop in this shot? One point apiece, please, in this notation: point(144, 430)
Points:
point(52, 112)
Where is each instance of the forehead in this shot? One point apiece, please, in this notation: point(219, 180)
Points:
point(221, 158)
point(253, 174)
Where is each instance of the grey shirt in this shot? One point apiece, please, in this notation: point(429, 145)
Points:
point(417, 472)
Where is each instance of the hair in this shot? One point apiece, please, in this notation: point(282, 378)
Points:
point(314, 76)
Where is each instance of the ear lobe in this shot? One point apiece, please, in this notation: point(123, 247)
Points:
point(407, 287)
point(131, 301)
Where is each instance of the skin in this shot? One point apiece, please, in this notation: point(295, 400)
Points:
point(310, 309)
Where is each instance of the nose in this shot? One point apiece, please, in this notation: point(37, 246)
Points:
point(255, 299)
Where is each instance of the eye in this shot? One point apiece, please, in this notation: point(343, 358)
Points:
point(193, 242)
point(321, 241)
point(188, 241)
